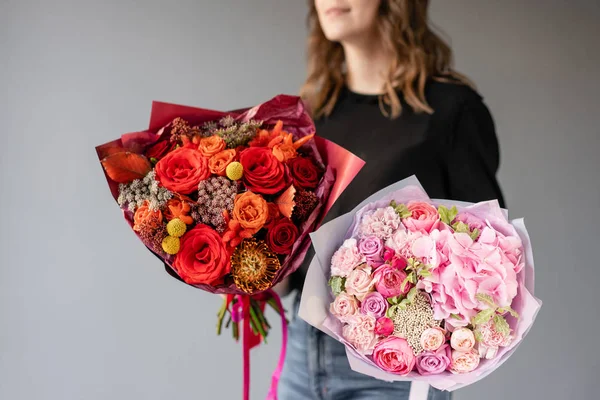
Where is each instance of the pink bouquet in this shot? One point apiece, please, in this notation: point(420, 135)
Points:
point(420, 289)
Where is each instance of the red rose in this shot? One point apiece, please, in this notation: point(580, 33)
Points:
point(182, 170)
point(305, 173)
point(263, 172)
point(160, 149)
point(202, 257)
point(281, 236)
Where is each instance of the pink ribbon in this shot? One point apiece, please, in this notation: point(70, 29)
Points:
point(246, 345)
point(248, 341)
point(284, 336)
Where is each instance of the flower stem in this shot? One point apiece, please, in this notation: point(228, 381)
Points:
point(221, 316)
point(235, 330)
point(257, 323)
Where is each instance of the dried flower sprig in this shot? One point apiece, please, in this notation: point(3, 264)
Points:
point(134, 194)
point(214, 195)
point(235, 134)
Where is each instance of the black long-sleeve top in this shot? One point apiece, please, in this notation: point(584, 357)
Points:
point(453, 152)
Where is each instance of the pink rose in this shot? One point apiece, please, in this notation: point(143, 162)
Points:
point(344, 307)
point(434, 362)
point(464, 362)
point(462, 339)
point(360, 333)
point(433, 338)
point(346, 258)
point(388, 281)
point(360, 282)
point(384, 326)
point(393, 354)
point(423, 219)
point(374, 305)
point(371, 247)
point(382, 223)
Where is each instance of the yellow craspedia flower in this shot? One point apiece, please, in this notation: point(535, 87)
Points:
point(170, 245)
point(235, 171)
point(176, 227)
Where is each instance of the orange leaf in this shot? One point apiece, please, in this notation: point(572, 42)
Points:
point(286, 203)
point(109, 148)
point(125, 167)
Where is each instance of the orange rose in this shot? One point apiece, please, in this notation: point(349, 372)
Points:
point(219, 162)
point(284, 152)
point(251, 210)
point(144, 217)
point(211, 145)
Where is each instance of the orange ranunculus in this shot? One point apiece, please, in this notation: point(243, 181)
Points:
point(211, 145)
point(251, 210)
point(144, 217)
point(181, 170)
point(219, 162)
point(177, 208)
point(284, 151)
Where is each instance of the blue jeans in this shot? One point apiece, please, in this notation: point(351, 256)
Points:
point(316, 368)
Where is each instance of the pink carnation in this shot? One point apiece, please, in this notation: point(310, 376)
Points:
point(492, 340)
point(382, 223)
point(360, 333)
point(346, 258)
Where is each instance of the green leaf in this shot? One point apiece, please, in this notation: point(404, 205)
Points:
point(483, 316)
point(400, 209)
point(394, 300)
point(486, 299)
point(504, 310)
point(412, 294)
point(413, 277)
point(403, 304)
point(405, 282)
point(478, 335)
point(392, 311)
point(338, 284)
point(447, 216)
point(501, 325)
point(461, 227)
point(153, 160)
point(475, 234)
point(456, 316)
point(425, 273)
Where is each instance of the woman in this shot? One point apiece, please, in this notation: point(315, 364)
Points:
point(380, 84)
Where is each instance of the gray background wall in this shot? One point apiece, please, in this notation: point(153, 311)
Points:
point(87, 313)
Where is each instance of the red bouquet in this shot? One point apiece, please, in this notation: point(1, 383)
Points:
point(227, 200)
